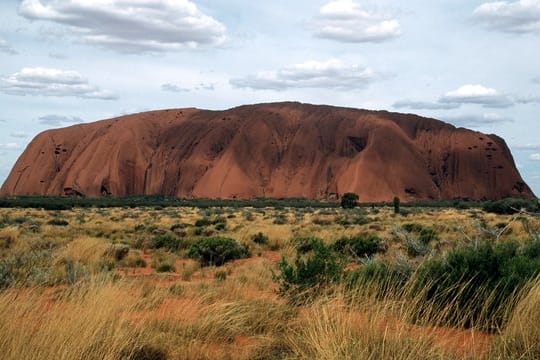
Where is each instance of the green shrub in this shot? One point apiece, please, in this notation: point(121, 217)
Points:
point(203, 222)
point(220, 275)
point(26, 268)
point(349, 200)
point(134, 262)
point(321, 221)
point(383, 278)
point(139, 227)
point(304, 245)
point(180, 232)
point(167, 241)
point(75, 271)
point(58, 222)
point(217, 251)
point(473, 286)
point(280, 219)
point(310, 274)
point(396, 202)
point(412, 227)
point(512, 206)
point(165, 266)
point(358, 246)
point(427, 235)
point(416, 247)
point(220, 226)
point(259, 238)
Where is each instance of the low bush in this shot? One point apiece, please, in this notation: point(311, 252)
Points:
point(165, 267)
point(317, 220)
point(304, 245)
point(220, 275)
point(416, 247)
point(310, 274)
point(359, 246)
point(220, 226)
point(58, 222)
point(512, 206)
point(380, 277)
point(167, 241)
point(412, 227)
point(474, 286)
point(179, 230)
point(427, 235)
point(259, 238)
point(203, 222)
point(217, 251)
point(117, 251)
point(280, 219)
point(133, 262)
point(26, 268)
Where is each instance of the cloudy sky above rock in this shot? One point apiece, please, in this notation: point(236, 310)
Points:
point(471, 63)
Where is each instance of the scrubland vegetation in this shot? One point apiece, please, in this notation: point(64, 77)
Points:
point(270, 283)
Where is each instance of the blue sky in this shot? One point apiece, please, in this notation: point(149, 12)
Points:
point(471, 63)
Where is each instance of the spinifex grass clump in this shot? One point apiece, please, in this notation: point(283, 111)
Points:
point(360, 246)
point(382, 279)
point(474, 286)
point(311, 274)
point(217, 251)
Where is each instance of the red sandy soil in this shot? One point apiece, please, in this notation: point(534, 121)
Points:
point(271, 150)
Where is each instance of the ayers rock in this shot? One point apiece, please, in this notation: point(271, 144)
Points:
point(268, 150)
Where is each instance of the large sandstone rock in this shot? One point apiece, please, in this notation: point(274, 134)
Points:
point(268, 150)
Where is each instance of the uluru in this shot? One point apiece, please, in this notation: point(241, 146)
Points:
point(276, 150)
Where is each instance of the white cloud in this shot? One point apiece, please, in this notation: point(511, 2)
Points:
point(535, 157)
point(477, 94)
point(10, 146)
point(348, 21)
point(423, 105)
point(131, 25)
point(19, 134)
point(177, 89)
point(521, 16)
point(331, 74)
point(475, 121)
point(467, 94)
point(52, 82)
point(6, 48)
point(528, 147)
point(59, 120)
point(173, 88)
point(528, 100)
point(536, 80)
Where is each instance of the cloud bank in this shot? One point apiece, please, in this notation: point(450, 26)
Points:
point(331, 74)
point(347, 21)
point(516, 17)
point(131, 25)
point(59, 120)
point(52, 82)
point(475, 121)
point(466, 94)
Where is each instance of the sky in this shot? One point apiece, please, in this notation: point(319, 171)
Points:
point(471, 63)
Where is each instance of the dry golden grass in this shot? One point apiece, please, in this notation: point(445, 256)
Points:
point(196, 314)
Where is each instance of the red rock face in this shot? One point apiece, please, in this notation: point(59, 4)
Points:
point(268, 150)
